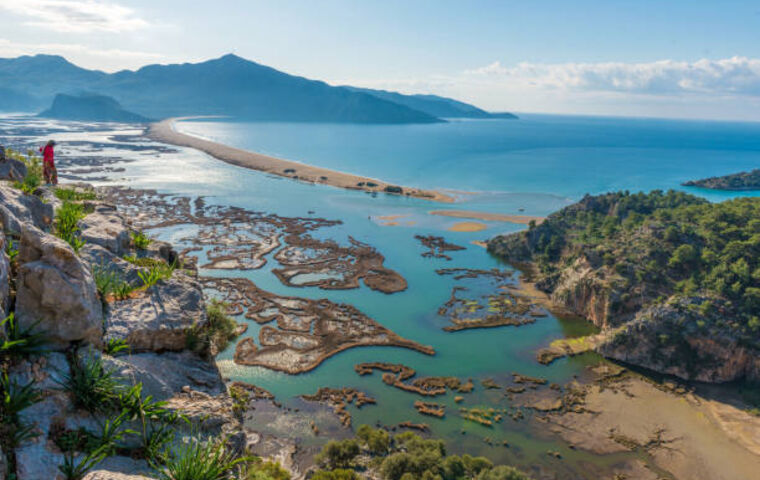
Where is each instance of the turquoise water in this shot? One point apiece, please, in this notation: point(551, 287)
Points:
point(538, 154)
point(538, 164)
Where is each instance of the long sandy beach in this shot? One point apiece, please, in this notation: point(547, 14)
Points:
point(165, 132)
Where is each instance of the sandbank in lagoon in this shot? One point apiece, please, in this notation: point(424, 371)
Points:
point(165, 132)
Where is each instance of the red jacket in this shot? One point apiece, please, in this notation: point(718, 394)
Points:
point(47, 154)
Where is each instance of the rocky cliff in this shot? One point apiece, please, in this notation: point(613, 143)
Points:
point(67, 329)
point(672, 281)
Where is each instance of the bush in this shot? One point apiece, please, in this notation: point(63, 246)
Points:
point(377, 441)
point(338, 453)
point(339, 474)
point(258, 469)
point(503, 473)
point(200, 460)
point(67, 218)
point(94, 388)
point(140, 240)
point(72, 195)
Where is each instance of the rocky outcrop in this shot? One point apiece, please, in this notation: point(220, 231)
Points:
point(5, 278)
point(673, 338)
point(580, 290)
point(56, 288)
point(164, 375)
point(11, 169)
point(17, 208)
point(159, 318)
point(105, 227)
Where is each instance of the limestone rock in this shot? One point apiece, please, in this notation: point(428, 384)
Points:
point(667, 338)
point(165, 375)
point(11, 169)
point(120, 468)
point(98, 257)
point(17, 208)
point(56, 289)
point(107, 228)
point(39, 458)
point(5, 277)
point(109, 475)
point(160, 317)
point(46, 371)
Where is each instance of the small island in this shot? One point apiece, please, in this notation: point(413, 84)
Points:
point(735, 181)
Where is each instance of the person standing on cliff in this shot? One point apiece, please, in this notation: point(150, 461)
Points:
point(48, 163)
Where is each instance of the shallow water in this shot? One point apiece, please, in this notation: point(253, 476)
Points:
point(537, 164)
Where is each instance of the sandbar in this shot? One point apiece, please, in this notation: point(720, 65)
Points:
point(165, 132)
point(468, 227)
point(488, 216)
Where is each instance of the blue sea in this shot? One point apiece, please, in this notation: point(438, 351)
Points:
point(532, 166)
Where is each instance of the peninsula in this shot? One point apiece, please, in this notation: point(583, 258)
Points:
point(165, 132)
point(735, 181)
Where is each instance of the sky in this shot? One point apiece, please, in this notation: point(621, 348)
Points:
point(666, 58)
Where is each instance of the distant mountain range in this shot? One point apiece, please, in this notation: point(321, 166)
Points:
point(229, 85)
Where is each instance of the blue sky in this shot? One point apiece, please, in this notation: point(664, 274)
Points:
point(693, 59)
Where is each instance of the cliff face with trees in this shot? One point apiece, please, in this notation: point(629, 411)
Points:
point(735, 181)
point(672, 280)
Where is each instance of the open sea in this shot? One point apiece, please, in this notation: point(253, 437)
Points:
point(532, 166)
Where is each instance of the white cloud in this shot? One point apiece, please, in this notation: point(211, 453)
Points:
point(729, 76)
point(726, 88)
point(76, 16)
point(99, 58)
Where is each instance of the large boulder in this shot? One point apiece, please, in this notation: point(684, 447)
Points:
point(159, 318)
point(5, 278)
point(56, 289)
point(165, 375)
point(107, 228)
point(17, 208)
point(100, 258)
point(120, 468)
point(11, 169)
point(39, 458)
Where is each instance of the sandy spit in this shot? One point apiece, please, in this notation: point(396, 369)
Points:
point(165, 132)
point(487, 216)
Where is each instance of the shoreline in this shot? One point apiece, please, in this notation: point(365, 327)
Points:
point(488, 217)
point(165, 132)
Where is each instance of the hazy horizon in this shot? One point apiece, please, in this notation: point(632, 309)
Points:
point(693, 60)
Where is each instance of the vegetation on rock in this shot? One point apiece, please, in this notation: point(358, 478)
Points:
point(405, 456)
point(736, 181)
point(615, 254)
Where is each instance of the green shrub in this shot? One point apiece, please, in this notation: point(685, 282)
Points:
point(76, 470)
point(116, 346)
point(94, 388)
point(200, 460)
point(338, 453)
point(67, 217)
point(339, 474)
point(140, 240)
point(11, 250)
point(377, 441)
point(33, 178)
point(503, 473)
point(20, 342)
point(258, 469)
point(72, 195)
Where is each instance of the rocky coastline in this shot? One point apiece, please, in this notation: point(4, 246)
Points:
point(107, 299)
